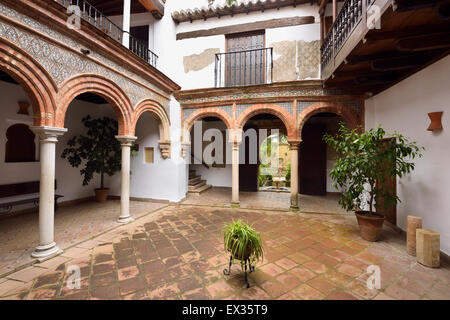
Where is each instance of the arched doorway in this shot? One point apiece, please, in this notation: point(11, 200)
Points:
point(316, 159)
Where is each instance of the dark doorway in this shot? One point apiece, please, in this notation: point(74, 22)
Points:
point(313, 160)
point(248, 172)
point(390, 185)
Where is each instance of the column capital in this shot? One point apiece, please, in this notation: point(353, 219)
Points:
point(126, 140)
point(294, 144)
point(235, 136)
point(48, 134)
point(164, 147)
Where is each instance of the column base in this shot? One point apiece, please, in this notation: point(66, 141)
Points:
point(294, 208)
point(235, 204)
point(42, 253)
point(125, 219)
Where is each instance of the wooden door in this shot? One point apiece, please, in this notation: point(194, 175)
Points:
point(248, 173)
point(390, 185)
point(245, 62)
point(313, 160)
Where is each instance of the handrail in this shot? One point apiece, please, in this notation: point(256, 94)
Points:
point(243, 68)
point(348, 18)
point(96, 18)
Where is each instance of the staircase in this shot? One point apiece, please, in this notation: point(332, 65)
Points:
point(196, 184)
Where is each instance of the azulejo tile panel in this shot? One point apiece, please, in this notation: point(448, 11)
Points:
point(63, 64)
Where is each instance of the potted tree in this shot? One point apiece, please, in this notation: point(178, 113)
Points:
point(244, 244)
point(365, 160)
point(98, 151)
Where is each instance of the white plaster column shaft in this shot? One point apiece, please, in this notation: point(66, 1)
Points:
point(294, 174)
point(48, 139)
point(235, 175)
point(126, 23)
point(126, 142)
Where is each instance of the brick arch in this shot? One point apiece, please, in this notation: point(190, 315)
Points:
point(34, 79)
point(105, 88)
point(273, 109)
point(159, 112)
point(203, 113)
point(352, 118)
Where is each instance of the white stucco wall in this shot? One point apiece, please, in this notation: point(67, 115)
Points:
point(404, 108)
point(171, 51)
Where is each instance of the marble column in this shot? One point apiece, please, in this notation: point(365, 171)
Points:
point(126, 142)
point(126, 23)
point(294, 145)
point(235, 175)
point(48, 139)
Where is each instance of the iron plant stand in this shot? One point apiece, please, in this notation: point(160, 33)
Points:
point(251, 268)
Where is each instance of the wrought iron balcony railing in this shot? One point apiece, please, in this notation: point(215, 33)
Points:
point(90, 14)
point(244, 68)
point(353, 12)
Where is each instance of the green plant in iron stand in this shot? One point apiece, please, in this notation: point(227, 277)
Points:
point(243, 243)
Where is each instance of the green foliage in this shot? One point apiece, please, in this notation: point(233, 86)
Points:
point(288, 173)
point(99, 151)
point(230, 2)
point(363, 159)
point(243, 242)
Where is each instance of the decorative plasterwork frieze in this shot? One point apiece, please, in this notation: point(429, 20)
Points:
point(264, 94)
point(60, 58)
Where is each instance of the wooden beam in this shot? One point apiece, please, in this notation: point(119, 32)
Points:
point(392, 64)
point(425, 42)
point(409, 5)
point(412, 31)
point(246, 27)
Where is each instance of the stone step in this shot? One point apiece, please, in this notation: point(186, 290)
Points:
point(194, 180)
point(201, 189)
point(198, 185)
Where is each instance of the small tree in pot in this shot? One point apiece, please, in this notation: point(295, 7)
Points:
point(365, 161)
point(98, 151)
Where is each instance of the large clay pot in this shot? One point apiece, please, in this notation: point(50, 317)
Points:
point(369, 226)
point(101, 195)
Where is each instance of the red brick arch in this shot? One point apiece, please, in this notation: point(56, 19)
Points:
point(103, 87)
point(203, 113)
point(273, 109)
point(159, 112)
point(352, 118)
point(34, 79)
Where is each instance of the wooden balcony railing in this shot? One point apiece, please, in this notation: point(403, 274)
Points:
point(352, 15)
point(244, 68)
point(93, 16)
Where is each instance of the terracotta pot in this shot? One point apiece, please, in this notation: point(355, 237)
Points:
point(369, 226)
point(101, 195)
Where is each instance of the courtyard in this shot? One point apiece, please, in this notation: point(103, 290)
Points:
point(176, 252)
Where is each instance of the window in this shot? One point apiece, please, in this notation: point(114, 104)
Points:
point(20, 145)
point(149, 155)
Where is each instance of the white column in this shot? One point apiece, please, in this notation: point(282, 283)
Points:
point(126, 22)
point(48, 138)
point(126, 142)
point(235, 175)
point(294, 174)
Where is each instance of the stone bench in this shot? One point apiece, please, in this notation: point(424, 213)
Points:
point(12, 195)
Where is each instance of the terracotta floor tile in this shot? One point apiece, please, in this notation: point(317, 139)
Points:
point(306, 292)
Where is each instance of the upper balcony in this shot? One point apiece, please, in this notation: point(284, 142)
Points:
point(99, 19)
point(373, 44)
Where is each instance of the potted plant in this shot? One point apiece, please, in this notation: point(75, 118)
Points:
point(365, 160)
point(98, 151)
point(244, 244)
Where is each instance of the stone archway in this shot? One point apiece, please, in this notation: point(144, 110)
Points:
point(163, 122)
point(203, 113)
point(273, 109)
point(104, 88)
point(33, 78)
point(349, 115)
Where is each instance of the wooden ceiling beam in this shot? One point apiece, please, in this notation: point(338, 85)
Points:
point(424, 42)
point(409, 5)
point(419, 30)
point(402, 63)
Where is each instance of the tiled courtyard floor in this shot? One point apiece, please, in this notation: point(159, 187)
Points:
point(177, 253)
point(19, 235)
point(219, 196)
